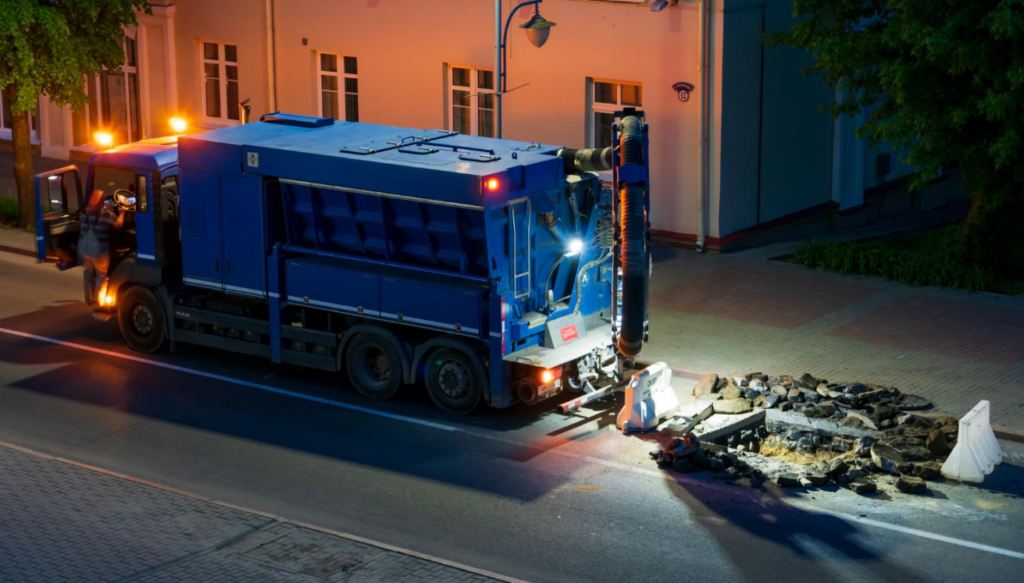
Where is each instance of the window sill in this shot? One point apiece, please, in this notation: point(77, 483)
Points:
point(7, 136)
point(216, 125)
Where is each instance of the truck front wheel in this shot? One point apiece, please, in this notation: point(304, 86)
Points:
point(141, 318)
point(374, 366)
point(452, 381)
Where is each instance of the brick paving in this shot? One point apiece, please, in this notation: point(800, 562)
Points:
point(60, 522)
point(738, 313)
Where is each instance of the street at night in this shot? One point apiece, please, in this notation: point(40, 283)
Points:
point(522, 291)
point(524, 493)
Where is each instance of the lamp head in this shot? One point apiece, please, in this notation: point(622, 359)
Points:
point(537, 29)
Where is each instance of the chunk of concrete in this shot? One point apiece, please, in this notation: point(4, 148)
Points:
point(862, 486)
point(911, 485)
point(706, 385)
point(733, 406)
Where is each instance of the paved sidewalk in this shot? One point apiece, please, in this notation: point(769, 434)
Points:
point(738, 313)
point(64, 522)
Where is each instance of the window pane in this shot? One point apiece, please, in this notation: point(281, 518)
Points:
point(485, 122)
point(212, 70)
point(329, 100)
point(79, 127)
point(351, 85)
point(232, 72)
point(231, 53)
point(460, 119)
point(328, 62)
point(210, 51)
point(232, 103)
point(603, 128)
point(460, 98)
point(328, 82)
point(6, 112)
point(485, 100)
point(350, 66)
point(212, 97)
point(485, 79)
point(141, 194)
point(129, 49)
point(460, 77)
point(133, 104)
point(94, 102)
point(631, 94)
point(351, 107)
point(605, 92)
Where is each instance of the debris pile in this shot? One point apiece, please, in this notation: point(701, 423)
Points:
point(831, 434)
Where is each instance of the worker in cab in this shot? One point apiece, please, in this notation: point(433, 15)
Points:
point(99, 225)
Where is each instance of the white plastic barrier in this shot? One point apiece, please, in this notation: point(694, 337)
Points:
point(977, 452)
point(649, 399)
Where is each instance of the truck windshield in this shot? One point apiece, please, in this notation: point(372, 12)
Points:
point(109, 180)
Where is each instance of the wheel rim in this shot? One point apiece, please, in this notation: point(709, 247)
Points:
point(376, 365)
point(453, 380)
point(142, 319)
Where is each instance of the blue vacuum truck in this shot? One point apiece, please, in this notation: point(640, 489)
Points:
point(484, 269)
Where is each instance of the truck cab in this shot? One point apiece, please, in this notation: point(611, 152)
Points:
point(138, 184)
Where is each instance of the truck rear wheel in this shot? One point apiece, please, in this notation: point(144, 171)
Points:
point(452, 381)
point(374, 366)
point(141, 318)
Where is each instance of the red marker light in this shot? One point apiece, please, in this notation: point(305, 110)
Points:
point(492, 184)
point(547, 376)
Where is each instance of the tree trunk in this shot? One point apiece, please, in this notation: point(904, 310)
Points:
point(23, 174)
point(973, 214)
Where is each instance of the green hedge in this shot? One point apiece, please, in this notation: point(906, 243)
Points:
point(8, 210)
point(943, 258)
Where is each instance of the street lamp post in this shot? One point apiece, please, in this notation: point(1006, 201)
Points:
point(537, 30)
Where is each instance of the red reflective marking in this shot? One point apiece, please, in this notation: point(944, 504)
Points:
point(569, 333)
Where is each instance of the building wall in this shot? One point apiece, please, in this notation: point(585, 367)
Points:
point(772, 151)
point(242, 23)
point(402, 77)
point(796, 138)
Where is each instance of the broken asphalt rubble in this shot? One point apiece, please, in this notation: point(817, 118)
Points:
point(831, 434)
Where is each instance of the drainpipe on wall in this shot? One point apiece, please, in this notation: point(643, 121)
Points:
point(705, 77)
point(271, 57)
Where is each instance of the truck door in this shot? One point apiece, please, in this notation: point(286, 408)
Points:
point(58, 211)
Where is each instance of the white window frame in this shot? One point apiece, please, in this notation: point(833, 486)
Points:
point(222, 64)
point(341, 75)
point(597, 107)
point(94, 90)
point(8, 133)
point(474, 90)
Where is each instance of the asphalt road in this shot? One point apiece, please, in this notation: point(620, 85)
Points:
point(522, 492)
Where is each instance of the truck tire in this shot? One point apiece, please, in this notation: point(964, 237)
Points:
point(374, 366)
point(141, 318)
point(452, 381)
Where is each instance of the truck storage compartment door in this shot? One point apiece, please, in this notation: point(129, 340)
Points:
point(200, 229)
point(431, 306)
point(323, 283)
point(58, 209)
point(245, 254)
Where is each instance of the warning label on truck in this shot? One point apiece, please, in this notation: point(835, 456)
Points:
point(569, 333)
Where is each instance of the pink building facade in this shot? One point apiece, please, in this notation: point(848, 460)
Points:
point(771, 155)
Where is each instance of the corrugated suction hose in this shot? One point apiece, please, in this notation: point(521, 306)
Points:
point(589, 160)
point(633, 229)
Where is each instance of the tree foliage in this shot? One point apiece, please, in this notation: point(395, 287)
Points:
point(49, 47)
point(942, 80)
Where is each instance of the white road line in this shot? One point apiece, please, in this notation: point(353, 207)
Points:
point(921, 533)
point(579, 457)
point(234, 381)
